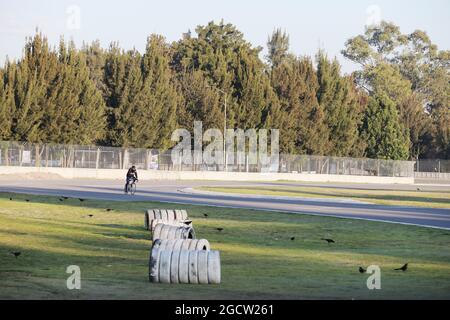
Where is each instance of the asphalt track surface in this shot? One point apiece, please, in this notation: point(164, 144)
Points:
point(180, 192)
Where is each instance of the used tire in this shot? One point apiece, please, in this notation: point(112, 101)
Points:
point(166, 215)
point(183, 266)
point(169, 232)
point(182, 244)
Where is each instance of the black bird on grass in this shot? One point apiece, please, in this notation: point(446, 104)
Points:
point(362, 270)
point(81, 199)
point(27, 200)
point(16, 253)
point(205, 215)
point(292, 238)
point(219, 229)
point(90, 215)
point(65, 198)
point(10, 199)
point(328, 240)
point(403, 268)
point(61, 199)
point(109, 209)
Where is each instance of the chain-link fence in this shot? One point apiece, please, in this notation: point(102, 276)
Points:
point(433, 165)
point(97, 157)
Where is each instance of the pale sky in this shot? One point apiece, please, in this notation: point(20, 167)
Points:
point(325, 24)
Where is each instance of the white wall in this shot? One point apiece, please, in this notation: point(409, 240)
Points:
point(71, 173)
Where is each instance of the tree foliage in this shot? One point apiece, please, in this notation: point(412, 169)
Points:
point(396, 106)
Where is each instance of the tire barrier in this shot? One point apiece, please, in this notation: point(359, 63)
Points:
point(166, 215)
point(184, 266)
point(165, 231)
point(178, 223)
point(176, 255)
point(181, 244)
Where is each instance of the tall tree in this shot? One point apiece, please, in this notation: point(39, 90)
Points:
point(304, 129)
point(407, 67)
point(278, 47)
point(34, 72)
point(341, 104)
point(95, 60)
point(142, 96)
point(232, 65)
point(7, 104)
point(161, 93)
point(385, 135)
point(75, 110)
point(201, 102)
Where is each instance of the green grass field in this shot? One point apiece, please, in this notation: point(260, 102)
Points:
point(430, 199)
point(258, 258)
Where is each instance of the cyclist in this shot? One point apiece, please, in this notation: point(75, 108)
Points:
point(131, 177)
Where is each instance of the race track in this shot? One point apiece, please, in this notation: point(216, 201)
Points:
point(179, 192)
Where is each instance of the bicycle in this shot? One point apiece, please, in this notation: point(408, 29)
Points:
point(131, 186)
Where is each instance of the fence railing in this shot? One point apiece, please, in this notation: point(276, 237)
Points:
point(97, 157)
point(432, 165)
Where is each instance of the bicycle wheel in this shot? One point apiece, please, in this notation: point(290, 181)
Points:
point(129, 188)
point(133, 188)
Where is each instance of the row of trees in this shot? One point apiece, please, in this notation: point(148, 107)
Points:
point(395, 107)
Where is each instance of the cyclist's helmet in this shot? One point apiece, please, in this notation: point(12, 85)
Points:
point(133, 167)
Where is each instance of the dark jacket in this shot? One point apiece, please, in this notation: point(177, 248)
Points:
point(132, 173)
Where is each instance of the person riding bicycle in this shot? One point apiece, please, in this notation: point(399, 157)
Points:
point(131, 177)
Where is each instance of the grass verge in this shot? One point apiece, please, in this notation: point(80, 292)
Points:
point(259, 259)
point(429, 199)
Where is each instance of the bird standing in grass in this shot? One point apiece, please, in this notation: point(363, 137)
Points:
point(16, 253)
point(292, 238)
point(65, 198)
point(90, 215)
point(109, 209)
point(362, 270)
point(205, 215)
point(403, 268)
point(27, 200)
point(328, 240)
point(81, 199)
point(10, 199)
point(219, 229)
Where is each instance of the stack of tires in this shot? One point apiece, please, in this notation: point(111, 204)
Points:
point(177, 256)
point(171, 217)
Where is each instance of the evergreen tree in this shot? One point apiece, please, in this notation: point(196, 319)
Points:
point(340, 102)
point(201, 102)
point(278, 46)
point(160, 95)
point(124, 132)
point(95, 61)
point(230, 64)
point(304, 129)
point(32, 76)
point(74, 107)
point(7, 106)
point(385, 135)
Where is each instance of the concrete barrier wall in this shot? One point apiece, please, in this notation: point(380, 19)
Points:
point(73, 173)
point(432, 175)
